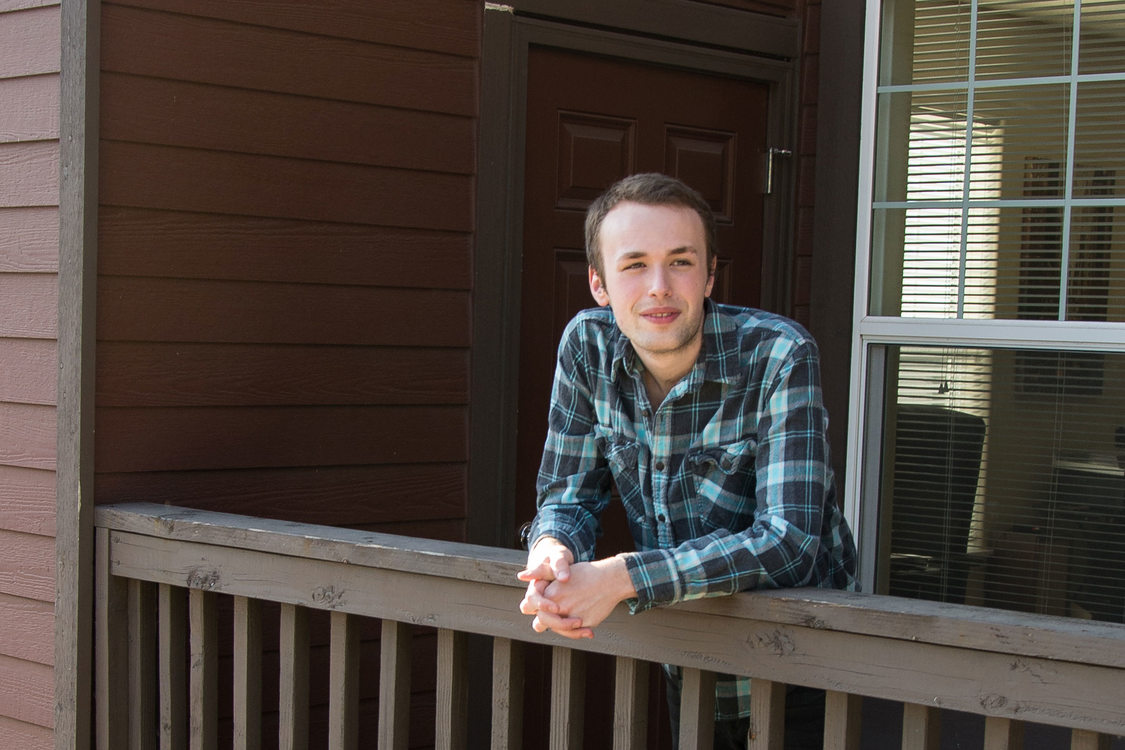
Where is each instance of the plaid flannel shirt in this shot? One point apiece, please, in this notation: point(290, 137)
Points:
point(727, 484)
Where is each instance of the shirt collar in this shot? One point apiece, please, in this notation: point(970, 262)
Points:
point(718, 356)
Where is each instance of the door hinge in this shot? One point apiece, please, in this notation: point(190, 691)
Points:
point(771, 154)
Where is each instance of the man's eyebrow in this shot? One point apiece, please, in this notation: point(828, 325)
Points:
point(683, 250)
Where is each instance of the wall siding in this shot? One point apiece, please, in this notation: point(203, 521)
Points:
point(29, 245)
point(284, 258)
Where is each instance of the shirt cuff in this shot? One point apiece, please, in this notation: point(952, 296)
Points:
point(655, 578)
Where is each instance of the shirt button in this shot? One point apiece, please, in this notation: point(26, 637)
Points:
point(660, 466)
point(661, 518)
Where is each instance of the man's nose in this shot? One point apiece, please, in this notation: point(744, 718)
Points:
point(658, 283)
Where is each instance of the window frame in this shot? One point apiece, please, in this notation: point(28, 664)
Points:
point(872, 335)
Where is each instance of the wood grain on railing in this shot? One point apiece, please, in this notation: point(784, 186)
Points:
point(1006, 666)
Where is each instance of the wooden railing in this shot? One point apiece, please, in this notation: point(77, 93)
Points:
point(157, 649)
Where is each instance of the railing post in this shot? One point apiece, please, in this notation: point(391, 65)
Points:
point(842, 717)
point(394, 685)
point(173, 637)
point(293, 708)
point(142, 665)
point(507, 694)
point(568, 682)
point(204, 671)
point(247, 673)
point(111, 605)
point(630, 704)
point(1082, 739)
point(343, 683)
point(767, 714)
point(452, 690)
point(697, 709)
point(1002, 734)
point(921, 727)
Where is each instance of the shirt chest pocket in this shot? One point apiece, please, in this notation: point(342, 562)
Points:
point(622, 455)
point(724, 484)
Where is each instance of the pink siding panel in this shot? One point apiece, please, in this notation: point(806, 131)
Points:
point(27, 567)
point(29, 174)
point(25, 622)
point(27, 436)
point(32, 375)
point(29, 240)
point(27, 500)
point(19, 734)
point(29, 306)
point(37, 117)
point(30, 42)
point(27, 692)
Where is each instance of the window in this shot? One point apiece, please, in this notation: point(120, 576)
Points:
point(988, 424)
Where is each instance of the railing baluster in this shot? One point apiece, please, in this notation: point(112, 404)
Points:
point(173, 637)
point(568, 682)
point(343, 683)
point(630, 704)
point(452, 690)
point(1082, 739)
point(142, 665)
point(111, 605)
point(293, 706)
point(1002, 734)
point(921, 727)
point(842, 720)
point(203, 710)
point(394, 685)
point(697, 709)
point(247, 673)
point(507, 694)
point(767, 714)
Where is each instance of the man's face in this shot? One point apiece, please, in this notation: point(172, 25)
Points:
point(655, 279)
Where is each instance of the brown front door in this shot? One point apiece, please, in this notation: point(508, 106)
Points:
point(590, 121)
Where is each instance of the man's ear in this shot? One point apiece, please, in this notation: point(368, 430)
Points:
point(711, 276)
point(597, 288)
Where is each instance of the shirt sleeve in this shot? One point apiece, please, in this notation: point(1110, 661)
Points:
point(793, 485)
point(573, 485)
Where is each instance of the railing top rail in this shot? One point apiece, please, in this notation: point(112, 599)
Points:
point(961, 626)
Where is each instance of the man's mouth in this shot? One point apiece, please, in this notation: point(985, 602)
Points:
point(661, 316)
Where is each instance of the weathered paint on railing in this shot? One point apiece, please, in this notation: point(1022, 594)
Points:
point(1005, 666)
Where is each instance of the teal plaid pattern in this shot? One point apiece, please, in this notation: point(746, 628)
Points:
point(727, 484)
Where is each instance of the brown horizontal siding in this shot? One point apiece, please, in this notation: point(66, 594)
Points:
point(255, 437)
point(285, 258)
point(358, 496)
point(174, 374)
point(25, 736)
point(446, 26)
point(27, 692)
point(193, 115)
point(175, 179)
point(29, 240)
point(207, 50)
point(148, 309)
point(202, 246)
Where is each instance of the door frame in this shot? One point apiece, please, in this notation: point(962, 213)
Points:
point(690, 35)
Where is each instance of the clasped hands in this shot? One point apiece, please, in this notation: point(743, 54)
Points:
point(571, 598)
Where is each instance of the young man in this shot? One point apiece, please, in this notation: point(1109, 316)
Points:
point(707, 417)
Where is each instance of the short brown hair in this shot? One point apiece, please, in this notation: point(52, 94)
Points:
point(650, 188)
